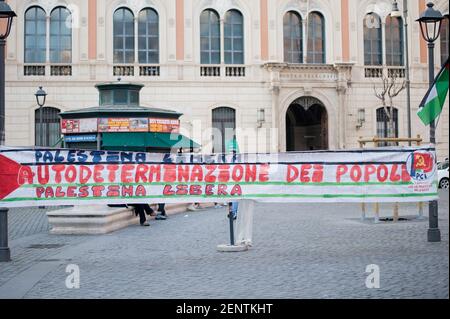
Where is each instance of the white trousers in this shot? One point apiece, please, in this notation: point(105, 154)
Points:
point(244, 222)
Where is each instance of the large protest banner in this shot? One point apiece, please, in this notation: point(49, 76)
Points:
point(34, 177)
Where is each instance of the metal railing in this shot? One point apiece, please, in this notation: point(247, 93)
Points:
point(44, 69)
point(123, 70)
point(149, 70)
point(210, 70)
point(235, 71)
point(60, 70)
point(380, 71)
point(220, 70)
point(34, 70)
point(373, 72)
point(397, 72)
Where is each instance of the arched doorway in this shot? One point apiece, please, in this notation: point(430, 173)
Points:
point(306, 125)
point(224, 128)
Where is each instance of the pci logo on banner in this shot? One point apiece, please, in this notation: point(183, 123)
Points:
point(421, 165)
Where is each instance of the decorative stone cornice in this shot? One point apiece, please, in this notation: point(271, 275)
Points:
point(339, 73)
point(276, 66)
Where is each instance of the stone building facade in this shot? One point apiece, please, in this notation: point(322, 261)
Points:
point(287, 74)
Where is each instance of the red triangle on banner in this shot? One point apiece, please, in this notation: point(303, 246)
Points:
point(9, 172)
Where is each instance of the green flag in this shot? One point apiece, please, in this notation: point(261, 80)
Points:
point(433, 102)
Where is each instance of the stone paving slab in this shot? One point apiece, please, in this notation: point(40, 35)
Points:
point(28, 221)
point(300, 251)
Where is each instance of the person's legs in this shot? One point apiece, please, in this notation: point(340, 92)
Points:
point(142, 219)
point(148, 209)
point(162, 208)
point(244, 223)
point(162, 215)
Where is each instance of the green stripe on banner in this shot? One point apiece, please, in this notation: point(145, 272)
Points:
point(18, 199)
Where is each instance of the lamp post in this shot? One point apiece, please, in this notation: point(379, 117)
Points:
point(41, 95)
point(430, 26)
point(40, 99)
point(396, 14)
point(6, 19)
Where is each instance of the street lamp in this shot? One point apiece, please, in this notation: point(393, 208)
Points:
point(430, 26)
point(40, 99)
point(41, 95)
point(6, 19)
point(395, 13)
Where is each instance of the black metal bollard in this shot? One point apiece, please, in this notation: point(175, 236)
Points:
point(230, 216)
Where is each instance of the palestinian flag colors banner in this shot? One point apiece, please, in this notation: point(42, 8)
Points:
point(35, 177)
point(433, 102)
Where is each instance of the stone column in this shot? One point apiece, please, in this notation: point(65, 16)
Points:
point(276, 127)
point(47, 39)
point(222, 41)
point(136, 40)
point(383, 36)
point(305, 40)
point(341, 116)
point(343, 82)
point(275, 92)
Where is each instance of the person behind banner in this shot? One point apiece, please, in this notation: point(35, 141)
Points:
point(141, 209)
point(162, 212)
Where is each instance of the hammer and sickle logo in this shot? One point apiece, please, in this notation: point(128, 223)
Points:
point(420, 161)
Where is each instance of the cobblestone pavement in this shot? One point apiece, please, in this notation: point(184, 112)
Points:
point(24, 222)
point(300, 251)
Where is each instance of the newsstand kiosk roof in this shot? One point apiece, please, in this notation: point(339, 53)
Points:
point(119, 122)
point(120, 98)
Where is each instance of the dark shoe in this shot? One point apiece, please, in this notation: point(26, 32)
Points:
point(145, 224)
point(161, 217)
point(152, 213)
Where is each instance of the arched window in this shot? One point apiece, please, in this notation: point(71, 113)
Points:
point(316, 38)
point(123, 36)
point(234, 37)
point(444, 39)
point(51, 132)
point(224, 127)
point(373, 50)
point(60, 36)
point(293, 37)
point(384, 129)
point(148, 35)
point(394, 41)
point(35, 35)
point(209, 37)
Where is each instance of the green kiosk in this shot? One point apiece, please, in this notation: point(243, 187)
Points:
point(119, 123)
